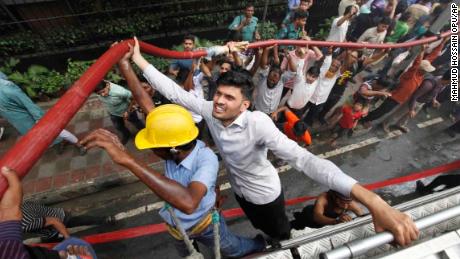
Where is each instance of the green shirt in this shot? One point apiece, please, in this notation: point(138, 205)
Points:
point(401, 29)
point(117, 101)
point(247, 32)
point(289, 32)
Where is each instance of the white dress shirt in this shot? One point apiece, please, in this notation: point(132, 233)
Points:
point(244, 145)
point(302, 91)
point(325, 84)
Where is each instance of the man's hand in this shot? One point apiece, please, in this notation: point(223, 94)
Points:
point(274, 115)
point(385, 217)
point(399, 224)
point(107, 140)
point(58, 225)
point(412, 114)
point(237, 46)
point(345, 218)
point(436, 104)
point(10, 204)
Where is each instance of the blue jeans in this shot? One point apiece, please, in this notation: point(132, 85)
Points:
point(231, 245)
point(74, 241)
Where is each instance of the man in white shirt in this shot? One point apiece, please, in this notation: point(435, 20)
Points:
point(329, 72)
point(244, 137)
point(375, 34)
point(269, 84)
point(340, 24)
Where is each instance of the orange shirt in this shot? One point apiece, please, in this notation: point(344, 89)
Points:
point(412, 78)
point(289, 128)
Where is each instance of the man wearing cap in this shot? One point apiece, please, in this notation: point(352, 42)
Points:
point(188, 185)
point(408, 84)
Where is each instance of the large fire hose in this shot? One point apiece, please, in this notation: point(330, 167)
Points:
point(23, 155)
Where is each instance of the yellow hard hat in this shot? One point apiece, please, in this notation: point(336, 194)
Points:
point(168, 125)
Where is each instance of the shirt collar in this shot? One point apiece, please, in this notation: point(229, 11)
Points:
point(189, 160)
point(241, 120)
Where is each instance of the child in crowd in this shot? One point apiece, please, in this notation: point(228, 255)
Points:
point(349, 120)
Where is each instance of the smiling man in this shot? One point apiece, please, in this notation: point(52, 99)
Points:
point(243, 139)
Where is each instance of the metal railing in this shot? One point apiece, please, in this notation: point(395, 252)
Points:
point(360, 247)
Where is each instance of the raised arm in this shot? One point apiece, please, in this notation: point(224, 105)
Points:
point(168, 87)
point(139, 94)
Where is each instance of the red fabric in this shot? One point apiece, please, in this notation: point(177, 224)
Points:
point(412, 78)
point(349, 117)
point(289, 128)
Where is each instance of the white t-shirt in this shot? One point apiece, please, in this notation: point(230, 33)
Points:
point(325, 84)
point(302, 91)
point(338, 33)
point(303, 63)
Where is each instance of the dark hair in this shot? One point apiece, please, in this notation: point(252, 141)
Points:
point(299, 128)
point(348, 9)
point(275, 68)
point(182, 75)
point(338, 195)
point(405, 16)
point(359, 99)
point(447, 75)
point(385, 20)
point(225, 60)
point(241, 79)
point(383, 81)
point(300, 15)
point(314, 71)
point(248, 5)
point(189, 37)
point(101, 86)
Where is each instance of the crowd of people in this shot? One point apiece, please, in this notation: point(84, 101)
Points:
point(246, 102)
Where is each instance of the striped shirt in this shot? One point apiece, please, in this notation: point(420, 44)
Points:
point(11, 241)
point(34, 218)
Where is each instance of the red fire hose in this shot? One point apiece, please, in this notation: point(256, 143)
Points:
point(23, 155)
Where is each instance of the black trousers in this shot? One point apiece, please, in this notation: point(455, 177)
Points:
point(270, 218)
point(313, 113)
point(387, 106)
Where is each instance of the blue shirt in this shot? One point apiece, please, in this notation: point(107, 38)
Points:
point(16, 107)
point(290, 32)
point(201, 165)
point(179, 64)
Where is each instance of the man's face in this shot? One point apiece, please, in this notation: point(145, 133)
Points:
point(224, 68)
point(273, 79)
point(104, 92)
point(352, 57)
point(163, 153)
point(335, 66)
point(382, 27)
point(342, 204)
point(188, 45)
point(303, 6)
point(310, 78)
point(249, 12)
point(229, 103)
point(301, 22)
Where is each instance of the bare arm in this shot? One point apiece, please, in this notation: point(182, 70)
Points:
point(318, 212)
point(355, 208)
point(188, 84)
point(264, 59)
point(139, 94)
point(58, 225)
